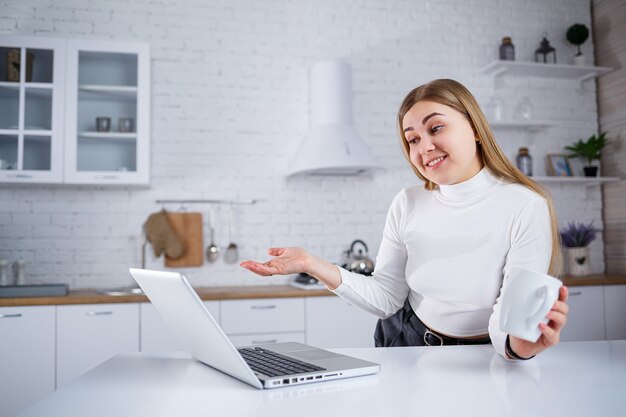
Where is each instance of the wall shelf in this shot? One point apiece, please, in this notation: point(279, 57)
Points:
point(576, 180)
point(533, 69)
point(208, 201)
point(521, 124)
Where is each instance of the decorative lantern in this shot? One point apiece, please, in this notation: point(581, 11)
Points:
point(545, 53)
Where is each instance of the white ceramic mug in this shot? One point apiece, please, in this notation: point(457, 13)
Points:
point(526, 299)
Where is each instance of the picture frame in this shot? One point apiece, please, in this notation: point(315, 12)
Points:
point(558, 165)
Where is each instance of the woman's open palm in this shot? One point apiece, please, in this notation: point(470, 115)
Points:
point(287, 261)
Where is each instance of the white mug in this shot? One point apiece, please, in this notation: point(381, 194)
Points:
point(526, 299)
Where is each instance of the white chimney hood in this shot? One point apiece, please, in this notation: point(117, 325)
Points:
point(332, 146)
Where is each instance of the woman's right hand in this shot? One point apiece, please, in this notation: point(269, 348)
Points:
point(287, 261)
point(294, 261)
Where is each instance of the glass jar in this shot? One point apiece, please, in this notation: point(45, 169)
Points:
point(20, 277)
point(507, 49)
point(524, 109)
point(494, 110)
point(524, 161)
point(4, 272)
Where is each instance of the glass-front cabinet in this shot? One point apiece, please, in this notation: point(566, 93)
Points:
point(107, 112)
point(31, 109)
point(74, 111)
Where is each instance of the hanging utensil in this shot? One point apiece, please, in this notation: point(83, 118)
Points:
point(231, 255)
point(212, 251)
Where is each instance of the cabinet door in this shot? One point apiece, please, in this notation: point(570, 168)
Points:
point(107, 112)
point(31, 115)
point(87, 335)
point(333, 323)
point(615, 311)
point(156, 336)
point(585, 320)
point(26, 356)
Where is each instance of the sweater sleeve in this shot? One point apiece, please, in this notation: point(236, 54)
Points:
point(385, 291)
point(531, 248)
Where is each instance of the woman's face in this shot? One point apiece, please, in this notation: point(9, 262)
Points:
point(442, 143)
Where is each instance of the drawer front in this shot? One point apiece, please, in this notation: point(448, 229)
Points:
point(585, 320)
point(268, 315)
point(88, 335)
point(265, 338)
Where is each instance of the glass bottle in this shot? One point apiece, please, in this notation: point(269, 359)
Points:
point(524, 161)
point(4, 272)
point(507, 49)
point(20, 277)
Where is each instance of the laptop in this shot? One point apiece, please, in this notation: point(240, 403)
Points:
point(262, 366)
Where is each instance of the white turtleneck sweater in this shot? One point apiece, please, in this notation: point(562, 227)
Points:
point(450, 251)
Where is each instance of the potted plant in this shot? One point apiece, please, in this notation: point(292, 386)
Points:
point(577, 34)
point(576, 237)
point(589, 150)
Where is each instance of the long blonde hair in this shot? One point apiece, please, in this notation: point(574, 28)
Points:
point(453, 94)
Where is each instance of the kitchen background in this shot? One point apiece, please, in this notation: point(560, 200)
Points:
point(230, 105)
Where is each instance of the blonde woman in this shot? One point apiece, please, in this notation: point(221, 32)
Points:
point(447, 247)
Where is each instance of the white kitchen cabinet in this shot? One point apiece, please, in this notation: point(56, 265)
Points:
point(615, 311)
point(585, 320)
point(333, 323)
point(156, 336)
point(107, 80)
point(31, 103)
point(87, 335)
point(26, 356)
point(261, 319)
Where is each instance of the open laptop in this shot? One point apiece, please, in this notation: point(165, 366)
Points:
point(263, 366)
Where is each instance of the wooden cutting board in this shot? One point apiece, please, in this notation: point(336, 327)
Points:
point(188, 228)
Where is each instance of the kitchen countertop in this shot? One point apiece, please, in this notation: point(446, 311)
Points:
point(571, 379)
point(92, 296)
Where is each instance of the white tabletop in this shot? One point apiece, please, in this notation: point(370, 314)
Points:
point(571, 379)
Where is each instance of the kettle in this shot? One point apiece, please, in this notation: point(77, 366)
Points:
point(358, 261)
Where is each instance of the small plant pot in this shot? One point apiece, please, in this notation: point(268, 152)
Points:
point(578, 261)
point(580, 60)
point(590, 171)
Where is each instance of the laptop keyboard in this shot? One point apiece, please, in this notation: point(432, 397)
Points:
point(274, 364)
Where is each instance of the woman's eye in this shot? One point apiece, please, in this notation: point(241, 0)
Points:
point(413, 141)
point(436, 129)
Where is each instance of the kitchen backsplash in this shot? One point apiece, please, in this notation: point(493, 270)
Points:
point(230, 106)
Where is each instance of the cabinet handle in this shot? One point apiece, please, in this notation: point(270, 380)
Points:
point(10, 316)
point(23, 176)
point(263, 307)
point(261, 342)
point(107, 177)
point(99, 313)
point(575, 293)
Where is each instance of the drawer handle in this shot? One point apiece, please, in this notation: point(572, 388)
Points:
point(107, 177)
point(575, 293)
point(10, 316)
point(262, 342)
point(22, 176)
point(263, 307)
point(99, 313)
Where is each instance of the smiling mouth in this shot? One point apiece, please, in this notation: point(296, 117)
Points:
point(436, 162)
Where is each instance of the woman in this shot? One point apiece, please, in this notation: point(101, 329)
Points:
point(447, 249)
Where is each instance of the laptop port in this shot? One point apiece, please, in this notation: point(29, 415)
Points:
point(294, 380)
point(318, 377)
point(285, 381)
point(308, 378)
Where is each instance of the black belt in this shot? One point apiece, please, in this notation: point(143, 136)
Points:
point(432, 338)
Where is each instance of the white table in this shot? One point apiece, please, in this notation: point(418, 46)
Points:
point(571, 379)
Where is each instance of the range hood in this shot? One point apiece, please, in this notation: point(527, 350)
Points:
point(332, 146)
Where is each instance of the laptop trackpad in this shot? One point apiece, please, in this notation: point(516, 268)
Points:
point(313, 354)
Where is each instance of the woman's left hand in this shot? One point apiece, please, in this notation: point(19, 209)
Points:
point(550, 333)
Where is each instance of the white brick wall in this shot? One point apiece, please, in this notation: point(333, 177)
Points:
point(229, 108)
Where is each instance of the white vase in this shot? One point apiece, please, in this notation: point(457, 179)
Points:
point(578, 261)
point(580, 60)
